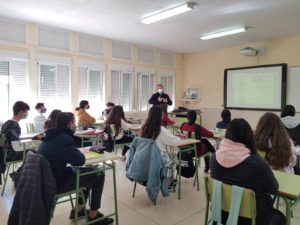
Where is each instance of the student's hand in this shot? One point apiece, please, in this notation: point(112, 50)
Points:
point(160, 99)
point(165, 100)
point(38, 137)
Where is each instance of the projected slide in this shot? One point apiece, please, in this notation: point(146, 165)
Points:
point(255, 87)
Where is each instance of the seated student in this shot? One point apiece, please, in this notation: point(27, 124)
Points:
point(236, 163)
point(166, 120)
point(291, 123)
point(163, 138)
point(51, 121)
point(12, 130)
point(138, 167)
point(117, 118)
point(106, 111)
point(40, 119)
point(200, 132)
point(226, 118)
point(272, 138)
point(84, 119)
point(59, 149)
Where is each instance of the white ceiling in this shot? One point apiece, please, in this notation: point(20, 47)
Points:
point(120, 19)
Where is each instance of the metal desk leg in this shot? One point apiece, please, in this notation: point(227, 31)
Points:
point(77, 195)
point(179, 171)
point(115, 192)
point(287, 210)
point(196, 162)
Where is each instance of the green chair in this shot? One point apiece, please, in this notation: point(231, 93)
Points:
point(61, 198)
point(261, 153)
point(16, 147)
point(30, 128)
point(113, 134)
point(248, 203)
point(178, 122)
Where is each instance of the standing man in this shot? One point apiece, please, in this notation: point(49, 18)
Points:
point(40, 119)
point(160, 97)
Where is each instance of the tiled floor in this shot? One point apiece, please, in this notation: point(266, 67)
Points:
point(189, 210)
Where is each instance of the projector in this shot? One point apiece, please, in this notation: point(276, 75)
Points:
point(248, 51)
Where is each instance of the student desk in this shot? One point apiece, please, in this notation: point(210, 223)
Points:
point(108, 162)
point(135, 128)
point(289, 191)
point(184, 114)
point(90, 136)
point(98, 124)
point(24, 136)
point(186, 145)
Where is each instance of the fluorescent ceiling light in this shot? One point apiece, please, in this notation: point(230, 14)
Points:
point(168, 13)
point(224, 33)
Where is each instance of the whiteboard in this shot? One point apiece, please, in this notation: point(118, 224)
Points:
point(294, 87)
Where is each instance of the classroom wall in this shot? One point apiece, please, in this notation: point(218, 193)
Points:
point(205, 70)
point(31, 47)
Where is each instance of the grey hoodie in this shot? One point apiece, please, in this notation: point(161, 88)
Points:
point(290, 122)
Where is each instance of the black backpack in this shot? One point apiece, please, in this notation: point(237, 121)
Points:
point(108, 141)
point(188, 168)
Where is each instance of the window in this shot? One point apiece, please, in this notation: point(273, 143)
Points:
point(54, 85)
point(90, 87)
point(53, 38)
point(167, 58)
point(90, 44)
point(12, 85)
point(168, 81)
point(121, 88)
point(12, 31)
point(145, 55)
point(121, 50)
point(146, 87)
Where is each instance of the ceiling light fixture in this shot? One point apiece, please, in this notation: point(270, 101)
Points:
point(224, 33)
point(168, 13)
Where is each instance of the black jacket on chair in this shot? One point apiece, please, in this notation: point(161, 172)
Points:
point(34, 198)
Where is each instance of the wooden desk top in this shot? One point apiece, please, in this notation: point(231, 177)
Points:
point(183, 113)
point(28, 136)
point(289, 184)
point(187, 141)
point(99, 122)
point(94, 158)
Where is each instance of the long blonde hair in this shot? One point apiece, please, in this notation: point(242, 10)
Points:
point(271, 136)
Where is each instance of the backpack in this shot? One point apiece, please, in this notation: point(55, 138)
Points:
point(108, 141)
point(188, 168)
point(2, 164)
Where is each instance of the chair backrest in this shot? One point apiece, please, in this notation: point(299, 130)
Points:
point(261, 153)
point(2, 140)
point(180, 120)
point(30, 128)
point(248, 203)
point(113, 130)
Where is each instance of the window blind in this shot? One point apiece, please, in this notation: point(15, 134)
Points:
point(168, 81)
point(54, 85)
point(121, 89)
point(146, 87)
point(12, 83)
point(91, 86)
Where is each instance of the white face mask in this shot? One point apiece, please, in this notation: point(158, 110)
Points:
point(160, 91)
point(25, 115)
